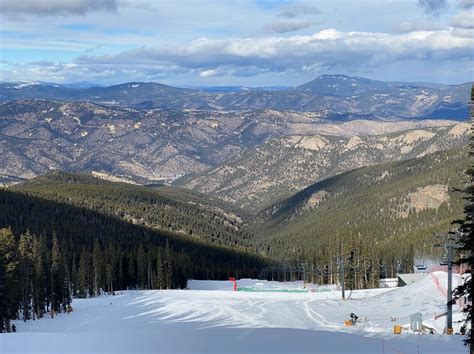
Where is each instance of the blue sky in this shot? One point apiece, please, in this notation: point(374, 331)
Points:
point(235, 42)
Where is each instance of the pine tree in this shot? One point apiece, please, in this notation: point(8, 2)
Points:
point(99, 267)
point(9, 285)
point(132, 270)
point(169, 267)
point(9, 247)
point(40, 280)
point(84, 275)
point(57, 277)
point(3, 292)
point(141, 267)
point(466, 227)
point(74, 276)
point(27, 272)
point(160, 282)
point(111, 267)
point(122, 270)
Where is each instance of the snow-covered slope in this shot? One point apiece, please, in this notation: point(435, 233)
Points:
point(223, 321)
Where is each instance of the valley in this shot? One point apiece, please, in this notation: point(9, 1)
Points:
point(268, 178)
point(161, 146)
point(240, 177)
point(385, 214)
point(283, 166)
point(131, 194)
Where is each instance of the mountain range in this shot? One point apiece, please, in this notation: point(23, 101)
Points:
point(336, 95)
point(270, 171)
point(283, 166)
point(386, 212)
point(162, 146)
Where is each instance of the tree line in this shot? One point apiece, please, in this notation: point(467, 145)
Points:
point(51, 252)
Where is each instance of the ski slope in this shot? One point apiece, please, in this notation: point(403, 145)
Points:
point(210, 318)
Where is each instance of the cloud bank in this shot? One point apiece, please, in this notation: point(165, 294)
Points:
point(56, 7)
point(244, 57)
point(328, 48)
point(281, 45)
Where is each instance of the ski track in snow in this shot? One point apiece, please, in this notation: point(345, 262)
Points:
point(222, 321)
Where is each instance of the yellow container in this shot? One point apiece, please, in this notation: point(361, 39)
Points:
point(348, 322)
point(397, 329)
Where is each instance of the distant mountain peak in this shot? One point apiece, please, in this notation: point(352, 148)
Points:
point(343, 85)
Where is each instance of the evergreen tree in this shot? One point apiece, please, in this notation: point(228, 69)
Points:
point(160, 282)
point(40, 260)
point(10, 274)
point(466, 227)
point(84, 275)
point(141, 267)
point(57, 277)
point(169, 267)
point(132, 270)
point(3, 292)
point(25, 248)
point(9, 250)
point(98, 267)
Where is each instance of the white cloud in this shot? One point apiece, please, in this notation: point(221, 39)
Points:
point(328, 48)
point(464, 19)
point(232, 43)
point(56, 7)
point(245, 57)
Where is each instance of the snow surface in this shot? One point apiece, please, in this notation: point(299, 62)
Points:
point(218, 320)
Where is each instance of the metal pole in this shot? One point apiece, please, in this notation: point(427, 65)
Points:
point(342, 278)
point(449, 318)
point(451, 241)
point(341, 263)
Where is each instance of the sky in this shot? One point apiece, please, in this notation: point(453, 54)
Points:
point(235, 42)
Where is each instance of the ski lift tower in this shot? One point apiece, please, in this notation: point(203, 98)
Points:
point(449, 242)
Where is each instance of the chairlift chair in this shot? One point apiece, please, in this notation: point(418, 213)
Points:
point(420, 265)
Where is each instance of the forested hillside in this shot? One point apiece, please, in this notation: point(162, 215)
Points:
point(160, 207)
point(65, 236)
point(381, 216)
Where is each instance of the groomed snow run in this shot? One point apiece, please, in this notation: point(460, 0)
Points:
point(214, 319)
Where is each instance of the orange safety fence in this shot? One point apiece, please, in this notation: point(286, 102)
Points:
point(443, 291)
